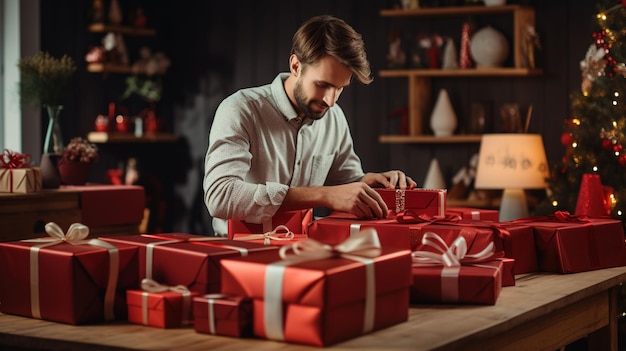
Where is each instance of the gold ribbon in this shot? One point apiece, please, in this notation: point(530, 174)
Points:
point(151, 286)
point(362, 247)
point(76, 235)
point(280, 233)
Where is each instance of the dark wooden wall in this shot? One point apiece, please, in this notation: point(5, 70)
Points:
point(248, 41)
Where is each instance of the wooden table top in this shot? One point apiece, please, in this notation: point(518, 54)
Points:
point(429, 326)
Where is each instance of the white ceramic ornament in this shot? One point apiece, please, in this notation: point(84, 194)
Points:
point(434, 177)
point(443, 120)
point(489, 47)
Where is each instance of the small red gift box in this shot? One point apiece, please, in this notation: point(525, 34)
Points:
point(430, 202)
point(280, 236)
point(333, 231)
point(296, 221)
point(224, 315)
point(67, 278)
point(476, 214)
point(175, 258)
point(159, 305)
point(519, 243)
point(454, 277)
point(327, 295)
point(579, 244)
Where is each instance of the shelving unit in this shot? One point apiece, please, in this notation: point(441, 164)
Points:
point(119, 138)
point(419, 80)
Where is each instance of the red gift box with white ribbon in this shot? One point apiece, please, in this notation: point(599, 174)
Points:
point(225, 315)
point(281, 235)
point(316, 294)
point(476, 214)
point(296, 221)
point(67, 278)
point(159, 305)
point(430, 202)
point(449, 274)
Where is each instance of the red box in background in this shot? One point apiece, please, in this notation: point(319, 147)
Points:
point(467, 284)
point(430, 202)
point(476, 214)
point(572, 247)
point(195, 265)
point(166, 309)
point(323, 301)
point(72, 281)
point(104, 205)
point(519, 244)
point(219, 314)
point(296, 221)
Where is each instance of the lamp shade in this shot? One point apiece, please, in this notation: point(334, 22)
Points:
point(511, 161)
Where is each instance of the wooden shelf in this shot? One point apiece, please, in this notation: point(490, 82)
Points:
point(105, 28)
point(429, 139)
point(120, 138)
point(456, 73)
point(453, 11)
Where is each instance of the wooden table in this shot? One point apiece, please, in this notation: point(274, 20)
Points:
point(542, 312)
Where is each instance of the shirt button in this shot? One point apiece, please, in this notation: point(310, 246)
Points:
point(298, 163)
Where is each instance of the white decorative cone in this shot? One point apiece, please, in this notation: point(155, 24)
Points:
point(434, 177)
point(443, 119)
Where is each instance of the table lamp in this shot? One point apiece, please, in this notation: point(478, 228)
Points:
point(512, 162)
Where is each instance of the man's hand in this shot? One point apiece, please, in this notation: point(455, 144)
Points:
point(390, 180)
point(357, 198)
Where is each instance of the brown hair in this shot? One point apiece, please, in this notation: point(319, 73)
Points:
point(328, 35)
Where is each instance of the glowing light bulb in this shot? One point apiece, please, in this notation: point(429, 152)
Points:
point(555, 203)
point(574, 144)
point(595, 168)
point(576, 121)
point(614, 103)
point(614, 124)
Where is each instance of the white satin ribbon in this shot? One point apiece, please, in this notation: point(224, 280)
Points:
point(451, 258)
point(150, 254)
point(151, 286)
point(280, 233)
point(76, 235)
point(362, 247)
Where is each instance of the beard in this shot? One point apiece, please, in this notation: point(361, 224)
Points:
point(304, 105)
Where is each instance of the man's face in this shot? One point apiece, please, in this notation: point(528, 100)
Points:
point(319, 85)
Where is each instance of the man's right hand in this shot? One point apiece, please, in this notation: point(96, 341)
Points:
point(357, 198)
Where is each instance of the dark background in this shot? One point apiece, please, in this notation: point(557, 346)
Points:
point(217, 47)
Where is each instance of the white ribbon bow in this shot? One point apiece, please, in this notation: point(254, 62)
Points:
point(279, 233)
point(75, 234)
point(449, 256)
point(364, 244)
point(151, 285)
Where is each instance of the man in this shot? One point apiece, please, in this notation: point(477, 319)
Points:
point(287, 145)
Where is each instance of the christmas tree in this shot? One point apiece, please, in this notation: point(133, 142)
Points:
point(595, 136)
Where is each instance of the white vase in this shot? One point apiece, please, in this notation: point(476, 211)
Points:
point(434, 177)
point(443, 120)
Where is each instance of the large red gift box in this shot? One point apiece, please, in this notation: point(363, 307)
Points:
point(454, 277)
point(476, 214)
point(296, 221)
point(519, 244)
point(332, 231)
point(224, 315)
point(330, 296)
point(580, 244)
point(66, 278)
point(179, 260)
point(430, 202)
point(159, 305)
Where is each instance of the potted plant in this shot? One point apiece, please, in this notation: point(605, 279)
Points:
point(76, 160)
point(44, 81)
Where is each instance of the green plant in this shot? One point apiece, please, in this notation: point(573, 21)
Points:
point(80, 150)
point(44, 79)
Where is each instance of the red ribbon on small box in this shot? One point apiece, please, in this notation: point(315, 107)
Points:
point(451, 258)
point(151, 286)
point(10, 160)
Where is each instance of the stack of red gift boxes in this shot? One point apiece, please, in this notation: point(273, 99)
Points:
point(295, 278)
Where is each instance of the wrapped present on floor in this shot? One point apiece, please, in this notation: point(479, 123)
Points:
point(448, 274)
point(572, 244)
point(225, 315)
point(159, 305)
point(280, 236)
point(67, 278)
point(297, 221)
point(519, 243)
point(476, 214)
point(17, 175)
point(316, 294)
point(185, 259)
